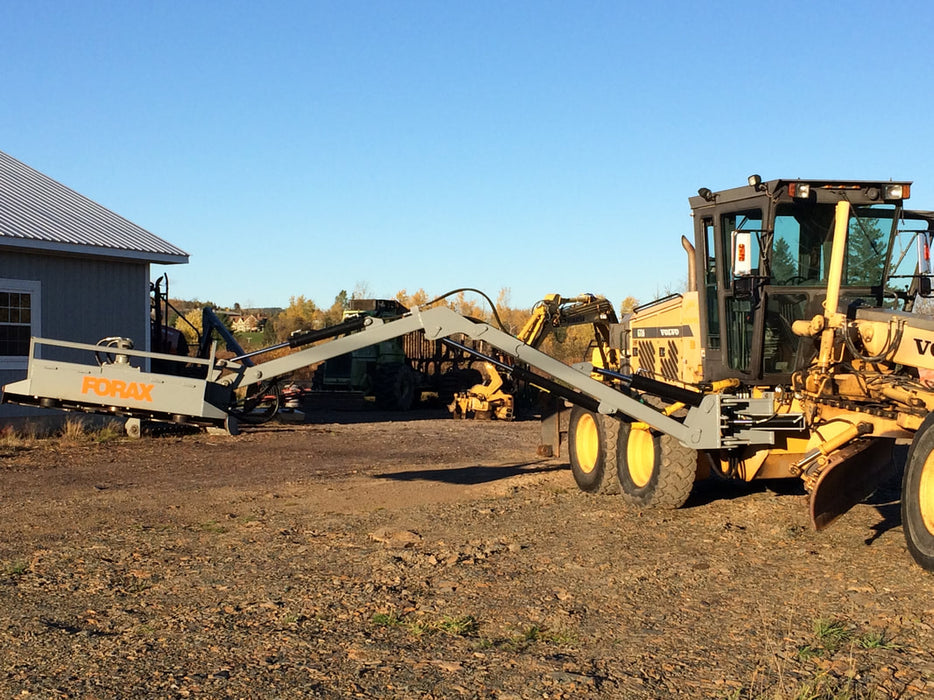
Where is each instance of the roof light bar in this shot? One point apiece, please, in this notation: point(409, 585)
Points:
point(802, 190)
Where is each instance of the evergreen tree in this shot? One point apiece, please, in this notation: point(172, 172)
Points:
point(784, 268)
point(865, 252)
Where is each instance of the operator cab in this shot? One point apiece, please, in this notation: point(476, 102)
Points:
point(763, 258)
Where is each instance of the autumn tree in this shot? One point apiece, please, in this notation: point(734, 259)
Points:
point(300, 314)
point(361, 290)
point(627, 305)
point(419, 298)
point(513, 319)
point(335, 313)
point(190, 326)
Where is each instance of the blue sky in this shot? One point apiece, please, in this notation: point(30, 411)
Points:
point(302, 148)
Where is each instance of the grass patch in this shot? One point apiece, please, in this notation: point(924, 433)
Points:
point(532, 636)
point(21, 438)
point(829, 636)
point(390, 619)
point(74, 429)
point(452, 626)
point(111, 430)
point(15, 569)
point(827, 687)
point(77, 429)
point(875, 640)
point(460, 626)
point(832, 634)
point(835, 656)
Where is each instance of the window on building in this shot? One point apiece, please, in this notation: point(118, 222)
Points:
point(19, 320)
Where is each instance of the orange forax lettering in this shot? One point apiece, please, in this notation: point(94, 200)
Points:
point(115, 388)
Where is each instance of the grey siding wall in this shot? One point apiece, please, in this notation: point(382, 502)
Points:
point(83, 300)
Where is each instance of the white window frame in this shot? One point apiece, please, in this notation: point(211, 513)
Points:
point(34, 289)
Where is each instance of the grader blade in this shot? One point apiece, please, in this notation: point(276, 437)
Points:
point(851, 474)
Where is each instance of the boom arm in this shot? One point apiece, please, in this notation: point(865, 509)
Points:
point(119, 388)
point(554, 311)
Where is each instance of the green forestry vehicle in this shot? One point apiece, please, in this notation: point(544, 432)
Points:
point(395, 372)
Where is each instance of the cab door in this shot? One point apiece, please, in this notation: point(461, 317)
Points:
point(742, 327)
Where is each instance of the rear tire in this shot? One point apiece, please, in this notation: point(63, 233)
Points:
point(918, 496)
point(592, 439)
point(655, 470)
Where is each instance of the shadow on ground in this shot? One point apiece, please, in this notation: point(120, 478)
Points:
point(466, 476)
point(887, 499)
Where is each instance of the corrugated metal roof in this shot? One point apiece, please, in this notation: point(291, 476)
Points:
point(38, 213)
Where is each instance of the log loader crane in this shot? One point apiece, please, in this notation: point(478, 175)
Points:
point(795, 352)
point(494, 396)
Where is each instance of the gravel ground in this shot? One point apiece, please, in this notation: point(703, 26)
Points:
point(430, 558)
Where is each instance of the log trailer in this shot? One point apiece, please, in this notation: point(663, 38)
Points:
point(794, 353)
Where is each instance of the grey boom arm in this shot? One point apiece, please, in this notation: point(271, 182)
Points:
point(440, 322)
point(119, 388)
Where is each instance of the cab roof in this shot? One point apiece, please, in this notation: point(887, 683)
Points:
point(857, 191)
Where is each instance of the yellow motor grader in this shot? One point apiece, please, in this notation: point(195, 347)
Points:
point(800, 319)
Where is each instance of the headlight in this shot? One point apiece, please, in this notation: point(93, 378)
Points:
point(801, 190)
point(897, 191)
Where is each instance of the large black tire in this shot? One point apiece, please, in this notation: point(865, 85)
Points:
point(918, 496)
point(655, 470)
point(259, 404)
point(592, 448)
point(395, 387)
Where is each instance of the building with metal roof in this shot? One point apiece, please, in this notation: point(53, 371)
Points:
point(70, 269)
point(39, 214)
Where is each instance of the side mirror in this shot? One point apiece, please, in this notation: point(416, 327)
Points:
point(745, 287)
point(742, 253)
point(924, 286)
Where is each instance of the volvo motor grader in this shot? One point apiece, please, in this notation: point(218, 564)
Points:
point(795, 352)
point(799, 318)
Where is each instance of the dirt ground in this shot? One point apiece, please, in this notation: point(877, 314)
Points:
point(431, 558)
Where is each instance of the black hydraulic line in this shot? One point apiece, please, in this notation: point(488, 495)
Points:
point(648, 385)
point(299, 338)
point(541, 382)
point(306, 337)
point(553, 387)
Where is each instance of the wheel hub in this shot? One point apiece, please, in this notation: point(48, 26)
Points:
point(640, 457)
point(587, 441)
point(926, 493)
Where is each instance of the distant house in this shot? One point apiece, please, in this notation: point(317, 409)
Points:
point(248, 324)
point(69, 269)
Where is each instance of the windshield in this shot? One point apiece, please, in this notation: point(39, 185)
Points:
point(803, 239)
